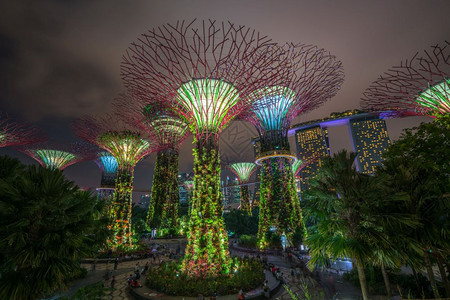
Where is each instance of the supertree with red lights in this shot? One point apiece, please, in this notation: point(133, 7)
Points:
point(243, 171)
point(169, 132)
point(313, 77)
point(128, 145)
point(203, 72)
point(418, 86)
point(58, 156)
point(15, 133)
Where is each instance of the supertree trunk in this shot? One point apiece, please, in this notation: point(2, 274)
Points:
point(122, 205)
point(279, 203)
point(207, 249)
point(163, 209)
point(245, 200)
point(169, 214)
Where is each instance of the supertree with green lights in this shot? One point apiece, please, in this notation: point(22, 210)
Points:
point(243, 171)
point(58, 156)
point(128, 145)
point(314, 77)
point(418, 86)
point(15, 133)
point(169, 132)
point(203, 72)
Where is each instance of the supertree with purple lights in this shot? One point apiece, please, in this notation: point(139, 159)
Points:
point(243, 171)
point(314, 77)
point(203, 72)
point(15, 133)
point(58, 156)
point(169, 132)
point(128, 145)
point(418, 86)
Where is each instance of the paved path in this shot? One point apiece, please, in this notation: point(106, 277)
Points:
point(330, 282)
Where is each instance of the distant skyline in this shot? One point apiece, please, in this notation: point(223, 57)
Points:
point(60, 60)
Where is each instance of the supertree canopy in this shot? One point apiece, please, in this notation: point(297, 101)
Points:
point(204, 72)
point(243, 171)
point(313, 77)
point(169, 132)
point(14, 133)
point(419, 86)
point(108, 164)
point(57, 156)
point(128, 145)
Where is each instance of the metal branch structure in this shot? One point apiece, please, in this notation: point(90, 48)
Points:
point(57, 156)
point(203, 71)
point(243, 171)
point(418, 86)
point(128, 145)
point(15, 133)
point(313, 77)
point(169, 132)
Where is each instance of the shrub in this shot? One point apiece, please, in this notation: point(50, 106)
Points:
point(167, 278)
point(248, 241)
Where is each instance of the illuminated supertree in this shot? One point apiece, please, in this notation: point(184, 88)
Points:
point(314, 77)
point(128, 145)
point(108, 164)
point(58, 156)
point(243, 171)
point(14, 133)
point(203, 71)
point(169, 132)
point(419, 86)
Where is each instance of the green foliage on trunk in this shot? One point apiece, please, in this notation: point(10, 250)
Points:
point(279, 203)
point(207, 249)
point(163, 209)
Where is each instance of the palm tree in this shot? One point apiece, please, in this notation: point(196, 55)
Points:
point(350, 214)
point(46, 225)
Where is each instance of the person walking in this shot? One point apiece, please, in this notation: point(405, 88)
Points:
point(113, 281)
point(241, 295)
point(116, 263)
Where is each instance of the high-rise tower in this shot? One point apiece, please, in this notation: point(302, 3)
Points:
point(370, 140)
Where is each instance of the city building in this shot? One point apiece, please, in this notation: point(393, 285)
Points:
point(312, 143)
point(370, 140)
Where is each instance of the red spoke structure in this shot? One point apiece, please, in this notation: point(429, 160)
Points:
point(313, 77)
point(58, 156)
point(418, 86)
point(169, 132)
point(15, 133)
point(128, 145)
point(243, 171)
point(204, 72)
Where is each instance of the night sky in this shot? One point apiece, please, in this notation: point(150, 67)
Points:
point(60, 60)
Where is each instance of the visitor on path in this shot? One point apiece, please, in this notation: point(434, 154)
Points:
point(241, 295)
point(113, 282)
point(213, 296)
point(200, 297)
point(136, 267)
point(116, 263)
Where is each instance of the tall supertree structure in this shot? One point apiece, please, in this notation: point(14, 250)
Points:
point(128, 145)
point(203, 71)
point(58, 156)
point(108, 165)
point(420, 85)
point(15, 133)
point(243, 171)
point(169, 132)
point(313, 78)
